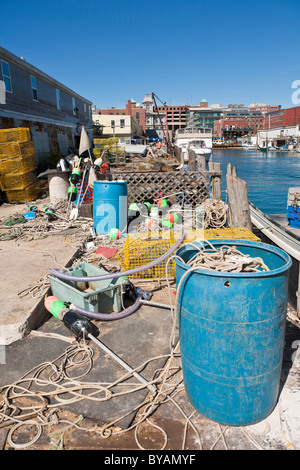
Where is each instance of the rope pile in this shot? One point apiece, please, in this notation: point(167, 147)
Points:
point(39, 227)
point(226, 259)
point(215, 213)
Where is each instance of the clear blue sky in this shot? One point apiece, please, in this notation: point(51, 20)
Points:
point(110, 51)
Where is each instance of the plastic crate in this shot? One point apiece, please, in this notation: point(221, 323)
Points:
point(19, 134)
point(11, 181)
point(16, 149)
point(30, 193)
point(295, 223)
point(17, 164)
point(98, 296)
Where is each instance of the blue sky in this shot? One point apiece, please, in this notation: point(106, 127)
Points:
point(110, 51)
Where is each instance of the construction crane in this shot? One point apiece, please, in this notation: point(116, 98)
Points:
point(166, 129)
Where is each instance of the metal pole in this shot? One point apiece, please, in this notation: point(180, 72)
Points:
point(151, 387)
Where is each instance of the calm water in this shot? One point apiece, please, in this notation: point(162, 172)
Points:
point(268, 175)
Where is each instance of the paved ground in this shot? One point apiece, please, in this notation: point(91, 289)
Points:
point(118, 415)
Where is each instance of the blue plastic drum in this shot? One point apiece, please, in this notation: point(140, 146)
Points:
point(232, 330)
point(110, 206)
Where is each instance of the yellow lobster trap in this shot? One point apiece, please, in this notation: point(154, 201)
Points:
point(142, 248)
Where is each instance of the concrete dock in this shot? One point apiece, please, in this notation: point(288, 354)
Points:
point(105, 408)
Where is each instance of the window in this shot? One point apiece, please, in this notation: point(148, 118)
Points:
point(34, 88)
point(112, 123)
point(74, 106)
point(58, 99)
point(122, 123)
point(6, 76)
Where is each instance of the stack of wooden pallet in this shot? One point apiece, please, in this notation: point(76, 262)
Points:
point(18, 165)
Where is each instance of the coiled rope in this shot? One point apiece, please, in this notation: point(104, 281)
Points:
point(225, 259)
point(215, 215)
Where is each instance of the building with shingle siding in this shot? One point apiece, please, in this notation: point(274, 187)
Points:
point(54, 113)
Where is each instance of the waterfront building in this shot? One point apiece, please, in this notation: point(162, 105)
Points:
point(285, 138)
point(176, 116)
point(53, 112)
point(264, 108)
point(282, 118)
point(231, 128)
point(132, 109)
point(122, 126)
point(203, 115)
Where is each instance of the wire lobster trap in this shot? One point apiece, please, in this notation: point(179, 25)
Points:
point(141, 248)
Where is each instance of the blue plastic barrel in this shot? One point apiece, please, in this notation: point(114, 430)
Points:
point(232, 329)
point(110, 206)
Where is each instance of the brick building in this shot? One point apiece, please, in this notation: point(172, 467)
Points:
point(282, 118)
point(176, 116)
point(264, 108)
point(230, 129)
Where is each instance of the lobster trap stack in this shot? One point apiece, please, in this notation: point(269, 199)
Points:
point(18, 165)
point(113, 151)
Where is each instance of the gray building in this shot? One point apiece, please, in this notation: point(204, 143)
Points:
point(153, 124)
point(54, 113)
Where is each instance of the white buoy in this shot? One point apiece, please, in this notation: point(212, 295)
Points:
point(58, 186)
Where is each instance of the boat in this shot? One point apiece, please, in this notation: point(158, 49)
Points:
point(197, 139)
point(276, 230)
point(247, 146)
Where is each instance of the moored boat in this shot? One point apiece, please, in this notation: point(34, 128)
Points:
point(197, 139)
point(276, 230)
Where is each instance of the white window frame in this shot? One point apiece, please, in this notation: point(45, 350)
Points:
point(6, 76)
point(122, 123)
point(57, 92)
point(32, 77)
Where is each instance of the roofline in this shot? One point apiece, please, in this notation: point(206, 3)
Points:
point(26, 65)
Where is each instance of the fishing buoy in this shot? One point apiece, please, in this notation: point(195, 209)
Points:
point(166, 223)
point(162, 203)
point(137, 208)
point(55, 306)
point(72, 191)
point(114, 234)
point(77, 323)
point(133, 206)
point(172, 217)
point(75, 176)
point(48, 213)
point(148, 206)
point(150, 223)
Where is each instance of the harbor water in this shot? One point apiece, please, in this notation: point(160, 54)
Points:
point(268, 175)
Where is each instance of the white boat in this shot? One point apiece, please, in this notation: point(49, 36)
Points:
point(275, 229)
point(197, 139)
point(247, 146)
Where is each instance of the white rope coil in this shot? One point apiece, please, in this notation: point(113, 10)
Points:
point(225, 259)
